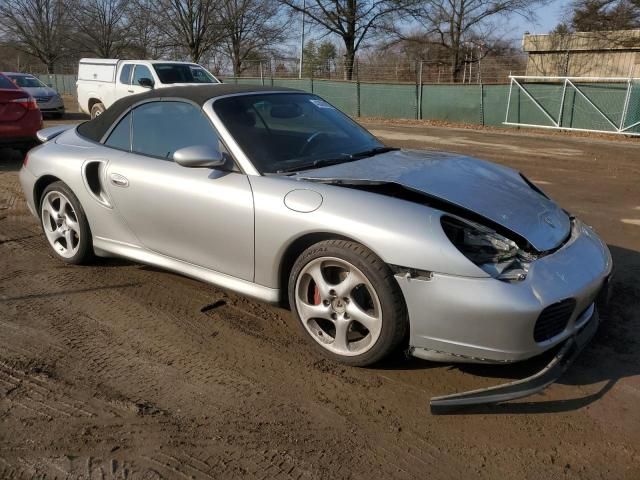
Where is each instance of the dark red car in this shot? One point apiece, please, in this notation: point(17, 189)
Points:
point(20, 117)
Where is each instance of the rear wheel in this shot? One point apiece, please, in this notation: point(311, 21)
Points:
point(97, 109)
point(65, 224)
point(348, 302)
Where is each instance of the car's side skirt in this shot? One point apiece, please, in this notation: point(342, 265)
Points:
point(105, 247)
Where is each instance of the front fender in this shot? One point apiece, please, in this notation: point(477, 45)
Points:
point(400, 232)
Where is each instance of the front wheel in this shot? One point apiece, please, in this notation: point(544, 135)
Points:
point(348, 302)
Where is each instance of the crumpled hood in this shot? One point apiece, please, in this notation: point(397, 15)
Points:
point(495, 192)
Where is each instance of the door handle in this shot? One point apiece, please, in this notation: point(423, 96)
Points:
point(130, 91)
point(119, 180)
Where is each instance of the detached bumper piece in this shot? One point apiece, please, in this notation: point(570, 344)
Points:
point(527, 386)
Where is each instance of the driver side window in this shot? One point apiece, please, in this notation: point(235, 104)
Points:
point(158, 129)
point(161, 128)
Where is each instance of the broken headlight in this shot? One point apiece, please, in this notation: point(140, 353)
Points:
point(494, 253)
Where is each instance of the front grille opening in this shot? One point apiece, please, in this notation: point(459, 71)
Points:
point(553, 320)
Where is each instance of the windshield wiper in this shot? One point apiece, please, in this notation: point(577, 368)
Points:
point(371, 152)
point(323, 162)
point(344, 157)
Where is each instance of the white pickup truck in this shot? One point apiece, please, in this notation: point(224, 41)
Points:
point(102, 81)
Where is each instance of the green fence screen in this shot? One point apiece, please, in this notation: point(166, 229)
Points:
point(64, 84)
point(388, 100)
point(472, 104)
point(452, 103)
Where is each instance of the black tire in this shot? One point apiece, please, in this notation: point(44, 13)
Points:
point(85, 248)
point(395, 319)
point(97, 109)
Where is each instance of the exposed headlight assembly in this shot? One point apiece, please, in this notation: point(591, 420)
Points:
point(497, 255)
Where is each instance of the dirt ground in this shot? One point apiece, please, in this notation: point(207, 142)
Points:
point(113, 371)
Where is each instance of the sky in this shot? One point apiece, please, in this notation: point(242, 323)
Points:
point(548, 18)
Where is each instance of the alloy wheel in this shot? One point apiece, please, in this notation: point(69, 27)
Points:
point(60, 224)
point(338, 306)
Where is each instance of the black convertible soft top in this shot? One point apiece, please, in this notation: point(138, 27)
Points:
point(199, 94)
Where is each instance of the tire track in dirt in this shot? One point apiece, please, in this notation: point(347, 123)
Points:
point(33, 391)
point(330, 380)
point(87, 343)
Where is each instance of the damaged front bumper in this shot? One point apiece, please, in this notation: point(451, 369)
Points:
point(561, 361)
point(485, 320)
point(476, 320)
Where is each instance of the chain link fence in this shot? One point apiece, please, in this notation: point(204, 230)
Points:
point(489, 69)
point(605, 105)
point(484, 95)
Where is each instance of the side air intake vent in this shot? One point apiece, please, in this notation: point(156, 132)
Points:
point(93, 172)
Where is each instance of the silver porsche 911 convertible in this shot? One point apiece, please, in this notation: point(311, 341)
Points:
point(275, 194)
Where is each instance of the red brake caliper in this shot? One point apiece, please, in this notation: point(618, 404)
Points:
point(316, 295)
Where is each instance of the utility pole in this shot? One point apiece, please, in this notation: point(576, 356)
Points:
point(304, 8)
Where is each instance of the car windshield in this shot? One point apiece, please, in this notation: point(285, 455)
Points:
point(182, 73)
point(28, 82)
point(285, 132)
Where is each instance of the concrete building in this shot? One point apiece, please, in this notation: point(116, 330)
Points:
point(584, 54)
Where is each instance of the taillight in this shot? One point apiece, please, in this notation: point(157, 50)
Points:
point(26, 159)
point(27, 102)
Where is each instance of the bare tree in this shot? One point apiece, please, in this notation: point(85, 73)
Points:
point(603, 15)
point(452, 23)
point(147, 39)
point(191, 25)
point(602, 25)
point(37, 27)
point(351, 20)
point(102, 26)
point(250, 28)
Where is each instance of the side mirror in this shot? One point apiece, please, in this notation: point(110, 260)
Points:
point(199, 156)
point(145, 82)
